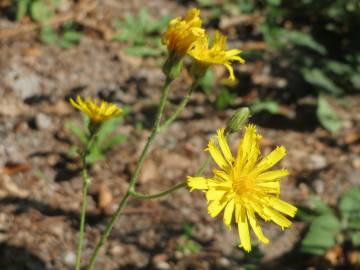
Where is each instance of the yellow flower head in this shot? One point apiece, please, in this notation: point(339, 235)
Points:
point(217, 54)
point(97, 111)
point(182, 33)
point(244, 185)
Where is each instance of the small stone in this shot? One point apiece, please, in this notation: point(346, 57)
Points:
point(163, 266)
point(43, 121)
point(224, 262)
point(318, 184)
point(318, 161)
point(69, 258)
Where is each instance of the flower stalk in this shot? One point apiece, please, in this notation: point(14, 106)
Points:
point(85, 186)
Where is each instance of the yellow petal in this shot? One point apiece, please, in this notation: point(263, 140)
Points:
point(271, 159)
point(215, 194)
point(257, 228)
point(224, 146)
point(244, 233)
point(283, 207)
point(228, 213)
point(278, 218)
point(272, 175)
point(216, 155)
point(215, 207)
point(197, 183)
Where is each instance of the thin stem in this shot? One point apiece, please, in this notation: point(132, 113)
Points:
point(174, 188)
point(140, 196)
point(107, 231)
point(203, 167)
point(135, 176)
point(180, 107)
point(153, 134)
point(85, 187)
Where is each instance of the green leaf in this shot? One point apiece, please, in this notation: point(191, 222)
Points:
point(107, 128)
point(327, 115)
point(327, 222)
point(355, 80)
point(354, 223)
point(224, 99)
point(94, 155)
point(303, 39)
point(270, 106)
point(48, 34)
point(274, 2)
point(112, 142)
point(317, 241)
point(317, 78)
point(321, 234)
point(317, 205)
point(21, 9)
point(72, 36)
point(349, 204)
point(355, 239)
point(338, 68)
point(40, 11)
point(78, 132)
point(207, 82)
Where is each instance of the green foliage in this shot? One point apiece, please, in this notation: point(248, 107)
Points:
point(331, 226)
point(224, 99)
point(185, 243)
point(104, 141)
point(327, 115)
point(312, 42)
point(141, 33)
point(270, 106)
point(207, 82)
point(64, 39)
point(42, 11)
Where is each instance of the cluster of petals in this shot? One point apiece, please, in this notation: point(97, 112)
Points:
point(244, 188)
point(186, 36)
point(98, 111)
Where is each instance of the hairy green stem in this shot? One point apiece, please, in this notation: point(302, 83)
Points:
point(140, 196)
point(85, 187)
point(135, 176)
point(180, 107)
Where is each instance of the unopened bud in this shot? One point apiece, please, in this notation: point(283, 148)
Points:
point(238, 120)
point(173, 66)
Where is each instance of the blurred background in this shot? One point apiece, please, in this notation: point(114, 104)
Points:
point(301, 81)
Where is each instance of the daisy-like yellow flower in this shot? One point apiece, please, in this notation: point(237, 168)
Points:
point(98, 111)
point(182, 33)
point(244, 187)
point(217, 54)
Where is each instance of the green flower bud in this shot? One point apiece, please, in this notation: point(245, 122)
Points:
point(238, 120)
point(173, 66)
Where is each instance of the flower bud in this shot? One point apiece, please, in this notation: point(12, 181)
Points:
point(173, 66)
point(238, 120)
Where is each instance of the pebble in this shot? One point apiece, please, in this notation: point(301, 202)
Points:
point(69, 258)
point(43, 121)
point(317, 161)
point(163, 266)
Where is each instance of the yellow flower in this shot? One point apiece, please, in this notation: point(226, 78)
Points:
point(98, 111)
point(244, 185)
point(217, 54)
point(182, 33)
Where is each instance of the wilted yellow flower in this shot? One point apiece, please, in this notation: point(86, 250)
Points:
point(98, 111)
point(182, 33)
point(245, 186)
point(217, 54)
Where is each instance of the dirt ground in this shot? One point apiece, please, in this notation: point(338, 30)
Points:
point(40, 184)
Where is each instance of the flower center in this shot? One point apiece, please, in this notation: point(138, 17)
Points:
point(243, 185)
